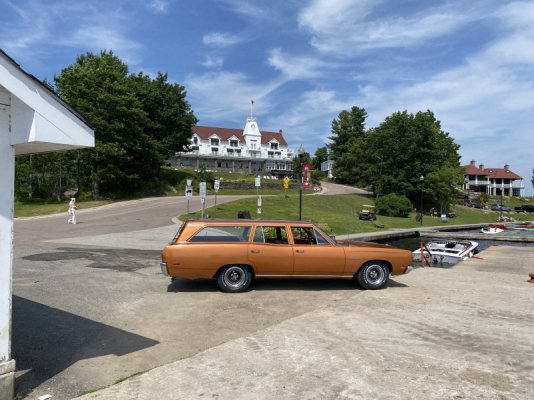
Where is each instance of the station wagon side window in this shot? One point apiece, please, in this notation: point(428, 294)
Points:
point(225, 234)
point(308, 236)
point(270, 234)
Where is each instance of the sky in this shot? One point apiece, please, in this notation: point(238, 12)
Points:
point(304, 61)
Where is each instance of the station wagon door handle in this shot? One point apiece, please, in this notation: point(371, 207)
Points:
point(299, 251)
point(254, 251)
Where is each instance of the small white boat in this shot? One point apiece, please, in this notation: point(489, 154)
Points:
point(446, 251)
point(492, 229)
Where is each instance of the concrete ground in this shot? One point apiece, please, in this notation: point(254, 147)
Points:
point(91, 308)
point(459, 333)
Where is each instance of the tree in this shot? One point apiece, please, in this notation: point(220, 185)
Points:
point(299, 160)
point(441, 186)
point(347, 140)
point(170, 116)
point(138, 122)
point(405, 147)
point(321, 155)
point(392, 157)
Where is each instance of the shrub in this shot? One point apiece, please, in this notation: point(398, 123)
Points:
point(393, 205)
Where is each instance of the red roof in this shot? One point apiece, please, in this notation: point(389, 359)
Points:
point(204, 133)
point(501, 173)
point(492, 173)
point(472, 170)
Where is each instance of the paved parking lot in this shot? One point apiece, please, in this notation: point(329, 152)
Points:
point(91, 307)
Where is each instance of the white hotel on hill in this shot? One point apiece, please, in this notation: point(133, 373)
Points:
point(248, 150)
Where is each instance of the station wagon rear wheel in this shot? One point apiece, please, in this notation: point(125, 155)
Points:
point(235, 278)
point(373, 275)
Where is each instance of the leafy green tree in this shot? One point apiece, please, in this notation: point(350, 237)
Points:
point(442, 186)
point(299, 160)
point(347, 144)
point(170, 116)
point(393, 205)
point(124, 154)
point(321, 155)
point(405, 147)
point(138, 122)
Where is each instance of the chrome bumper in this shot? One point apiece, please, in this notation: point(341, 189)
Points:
point(408, 269)
point(163, 267)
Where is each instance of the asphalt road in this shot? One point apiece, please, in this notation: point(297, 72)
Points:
point(90, 305)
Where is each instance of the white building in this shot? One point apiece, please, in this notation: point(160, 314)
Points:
point(327, 167)
point(33, 119)
point(248, 150)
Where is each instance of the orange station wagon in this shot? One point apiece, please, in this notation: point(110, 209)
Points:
point(236, 251)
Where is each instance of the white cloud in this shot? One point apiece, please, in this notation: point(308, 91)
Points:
point(345, 26)
point(308, 118)
point(80, 25)
point(295, 67)
point(159, 6)
point(96, 38)
point(212, 62)
point(221, 39)
point(246, 8)
point(328, 16)
point(225, 96)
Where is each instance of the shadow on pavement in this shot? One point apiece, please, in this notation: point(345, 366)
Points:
point(261, 284)
point(46, 341)
point(126, 260)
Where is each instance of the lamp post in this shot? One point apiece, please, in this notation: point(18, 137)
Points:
point(422, 180)
point(379, 176)
point(501, 218)
point(301, 154)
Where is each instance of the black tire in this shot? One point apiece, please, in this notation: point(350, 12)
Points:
point(373, 275)
point(234, 278)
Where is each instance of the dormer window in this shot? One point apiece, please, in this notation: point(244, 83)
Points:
point(195, 140)
point(214, 141)
point(274, 146)
point(234, 143)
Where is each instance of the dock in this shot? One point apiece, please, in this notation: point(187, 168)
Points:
point(446, 231)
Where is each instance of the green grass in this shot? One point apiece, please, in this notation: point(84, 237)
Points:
point(340, 213)
point(35, 209)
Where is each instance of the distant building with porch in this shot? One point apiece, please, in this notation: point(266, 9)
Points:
point(246, 151)
point(492, 181)
point(327, 168)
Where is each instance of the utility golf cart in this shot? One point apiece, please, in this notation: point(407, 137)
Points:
point(367, 213)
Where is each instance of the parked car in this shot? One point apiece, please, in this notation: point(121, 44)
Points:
point(475, 204)
point(500, 207)
point(526, 208)
point(236, 251)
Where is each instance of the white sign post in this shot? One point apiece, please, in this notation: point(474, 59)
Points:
point(202, 193)
point(257, 183)
point(188, 194)
point(259, 206)
point(216, 186)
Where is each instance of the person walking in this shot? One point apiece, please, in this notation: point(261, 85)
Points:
point(72, 211)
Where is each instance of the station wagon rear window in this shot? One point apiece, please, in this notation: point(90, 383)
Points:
point(226, 234)
point(270, 234)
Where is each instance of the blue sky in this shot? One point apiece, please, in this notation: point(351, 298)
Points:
point(302, 62)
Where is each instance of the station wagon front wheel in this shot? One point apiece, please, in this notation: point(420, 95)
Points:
point(373, 275)
point(234, 278)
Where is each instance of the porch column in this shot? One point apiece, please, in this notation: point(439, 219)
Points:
point(7, 179)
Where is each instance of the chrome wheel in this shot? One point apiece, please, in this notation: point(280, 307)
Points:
point(373, 275)
point(235, 278)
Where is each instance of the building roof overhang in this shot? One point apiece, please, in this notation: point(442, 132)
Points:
point(40, 120)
